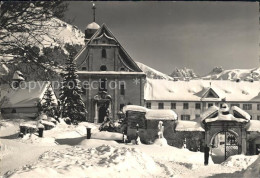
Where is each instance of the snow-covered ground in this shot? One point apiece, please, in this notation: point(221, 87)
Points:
point(44, 157)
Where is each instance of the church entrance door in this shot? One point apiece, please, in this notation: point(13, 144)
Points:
point(102, 114)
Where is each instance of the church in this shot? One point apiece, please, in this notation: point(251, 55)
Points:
point(110, 77)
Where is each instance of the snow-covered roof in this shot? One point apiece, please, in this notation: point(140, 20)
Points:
point(134, 108)
point(240, 111)
point(195, 90)
point(228, 117)
point(253, 126)
point(110, 73)
point(189, 126)
point(160, 114)
point(93, 26)
point(214, 113)
point(210, 111)
point(28, 95)
point(123, 55)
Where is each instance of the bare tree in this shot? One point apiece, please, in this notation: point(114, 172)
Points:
point(24, 24)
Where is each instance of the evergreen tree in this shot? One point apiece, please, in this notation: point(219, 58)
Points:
point(47, 105)
point(71, 103)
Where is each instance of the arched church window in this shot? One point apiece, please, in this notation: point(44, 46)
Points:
point(104, 53)
point(84, 68)
point(103, 68)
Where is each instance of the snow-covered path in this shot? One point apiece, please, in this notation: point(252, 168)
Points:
point(42, 157)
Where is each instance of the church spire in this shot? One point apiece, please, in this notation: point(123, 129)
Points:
point(94, 11)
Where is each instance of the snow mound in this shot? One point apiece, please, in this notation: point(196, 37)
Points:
point(107, 136)
point(239, 161)
point(102, 161)
point(253, 170)
point(160, 142)
point(34, 139)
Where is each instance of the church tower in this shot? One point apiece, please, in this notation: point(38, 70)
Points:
point(92, 27)
point(111, 76)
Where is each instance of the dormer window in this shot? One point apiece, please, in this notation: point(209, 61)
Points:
point(103, 68)
point(104, 53)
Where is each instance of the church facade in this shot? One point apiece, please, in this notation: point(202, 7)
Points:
point(110, 77)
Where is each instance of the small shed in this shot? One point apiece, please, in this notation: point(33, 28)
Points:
point(22, 102)
point(147, 121)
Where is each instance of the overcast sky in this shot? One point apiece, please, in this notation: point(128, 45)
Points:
point(165, 35)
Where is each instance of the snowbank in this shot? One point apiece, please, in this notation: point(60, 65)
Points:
point(107, 136)
point(161, 142)
point(240, 161)
point(162, 114)
point(102, 161)
point(253, 170)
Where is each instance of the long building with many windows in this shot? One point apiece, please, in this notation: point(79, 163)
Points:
point(190, 98)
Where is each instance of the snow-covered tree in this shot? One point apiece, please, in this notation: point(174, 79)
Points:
point(25, 24)
point(71, 103)
point(47, 105)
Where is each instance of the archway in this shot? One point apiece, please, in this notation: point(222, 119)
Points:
point(223, 145)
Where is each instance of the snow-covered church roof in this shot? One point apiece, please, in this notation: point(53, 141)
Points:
point(27, 95)
point(93, 26)
point(198, 90)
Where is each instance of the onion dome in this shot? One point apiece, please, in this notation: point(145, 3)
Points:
point(90, 30)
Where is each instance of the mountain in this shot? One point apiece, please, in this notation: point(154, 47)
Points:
point(152, 73)
point(218, 73)
point(183, 74)
point(54, 33)
point(50, 48)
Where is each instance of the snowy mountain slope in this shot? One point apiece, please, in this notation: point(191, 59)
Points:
point(54, 33)
point(219, 73)
point(152, 73)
